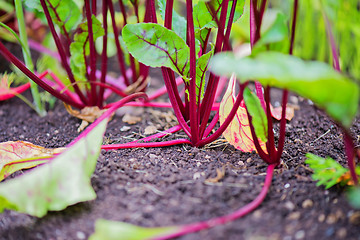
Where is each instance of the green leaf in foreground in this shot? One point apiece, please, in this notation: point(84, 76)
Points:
point(54, 186)
point(111, 230)
point(317, 81)
point(157, 46)
point(257, 114)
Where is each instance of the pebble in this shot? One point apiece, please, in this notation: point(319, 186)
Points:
point(80, 235)
point(294, 216)
point(321, 218)
point(207, 157)
point(241, 163)
point(307, 203)
point(248, 160)
point(300, 234)
point(125, 128)
point(257, 214)
point(198, 175)
point(341, 233)
point(289, 205)
point(331, 219)
point(287, 185)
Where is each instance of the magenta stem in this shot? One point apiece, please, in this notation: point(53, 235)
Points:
point(293, 26)
point(146, 145)
point(264, 156)
point(62, 53)
point(103, 54)
point(161, 134)
point(120, 55)
point(161, 91)
point(270, 144)
point(194, 125)
point(335, 54)
point(92, 77)
point(282, 127)
point(11, 58)
point(195, 227)
point(349, 150)
point(107, 114)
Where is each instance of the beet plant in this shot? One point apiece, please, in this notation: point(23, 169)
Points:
point(183, 48)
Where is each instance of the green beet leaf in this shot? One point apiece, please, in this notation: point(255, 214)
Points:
point(80, 46)
point(201, 69)
point(54, 186)
point(257, 114)
point(275, 37)
point(112, 230)
point(317, 81)
point(157, 46)
point(178, 22)
point(65, 13)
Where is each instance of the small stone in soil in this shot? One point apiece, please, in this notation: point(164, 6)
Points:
point(80, 235)
point(289, 206)
point(307, 203)
point(294, 216)
point(300, 234)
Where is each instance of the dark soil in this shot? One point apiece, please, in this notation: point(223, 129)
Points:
point(166, 186)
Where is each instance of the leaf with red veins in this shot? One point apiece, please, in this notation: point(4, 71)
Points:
point(19, 155)
point(238, 132)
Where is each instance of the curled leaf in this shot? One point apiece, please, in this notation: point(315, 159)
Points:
point(87, 114)
point(238, 132)
point(62, 182)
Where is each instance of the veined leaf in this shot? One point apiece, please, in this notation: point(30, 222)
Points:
point(156, 46)
point(65, 13)
point(276, 36)
point(238, 132)
point(328, 172)
point(204, 21)
point(80, 48)
point(19, 155)
point(201, 69)
point(112, 230)
point(330, 90)
point(62, 182)
point(178, 22)
point(257, 114)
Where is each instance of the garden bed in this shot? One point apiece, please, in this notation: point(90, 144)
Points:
point(167, 186)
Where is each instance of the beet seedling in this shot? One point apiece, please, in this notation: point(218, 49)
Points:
point(181, 47)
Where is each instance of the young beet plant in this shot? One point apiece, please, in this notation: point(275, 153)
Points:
point(75, 39)
point(182, 48)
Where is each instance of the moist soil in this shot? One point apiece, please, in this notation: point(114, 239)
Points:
point(166, 186)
